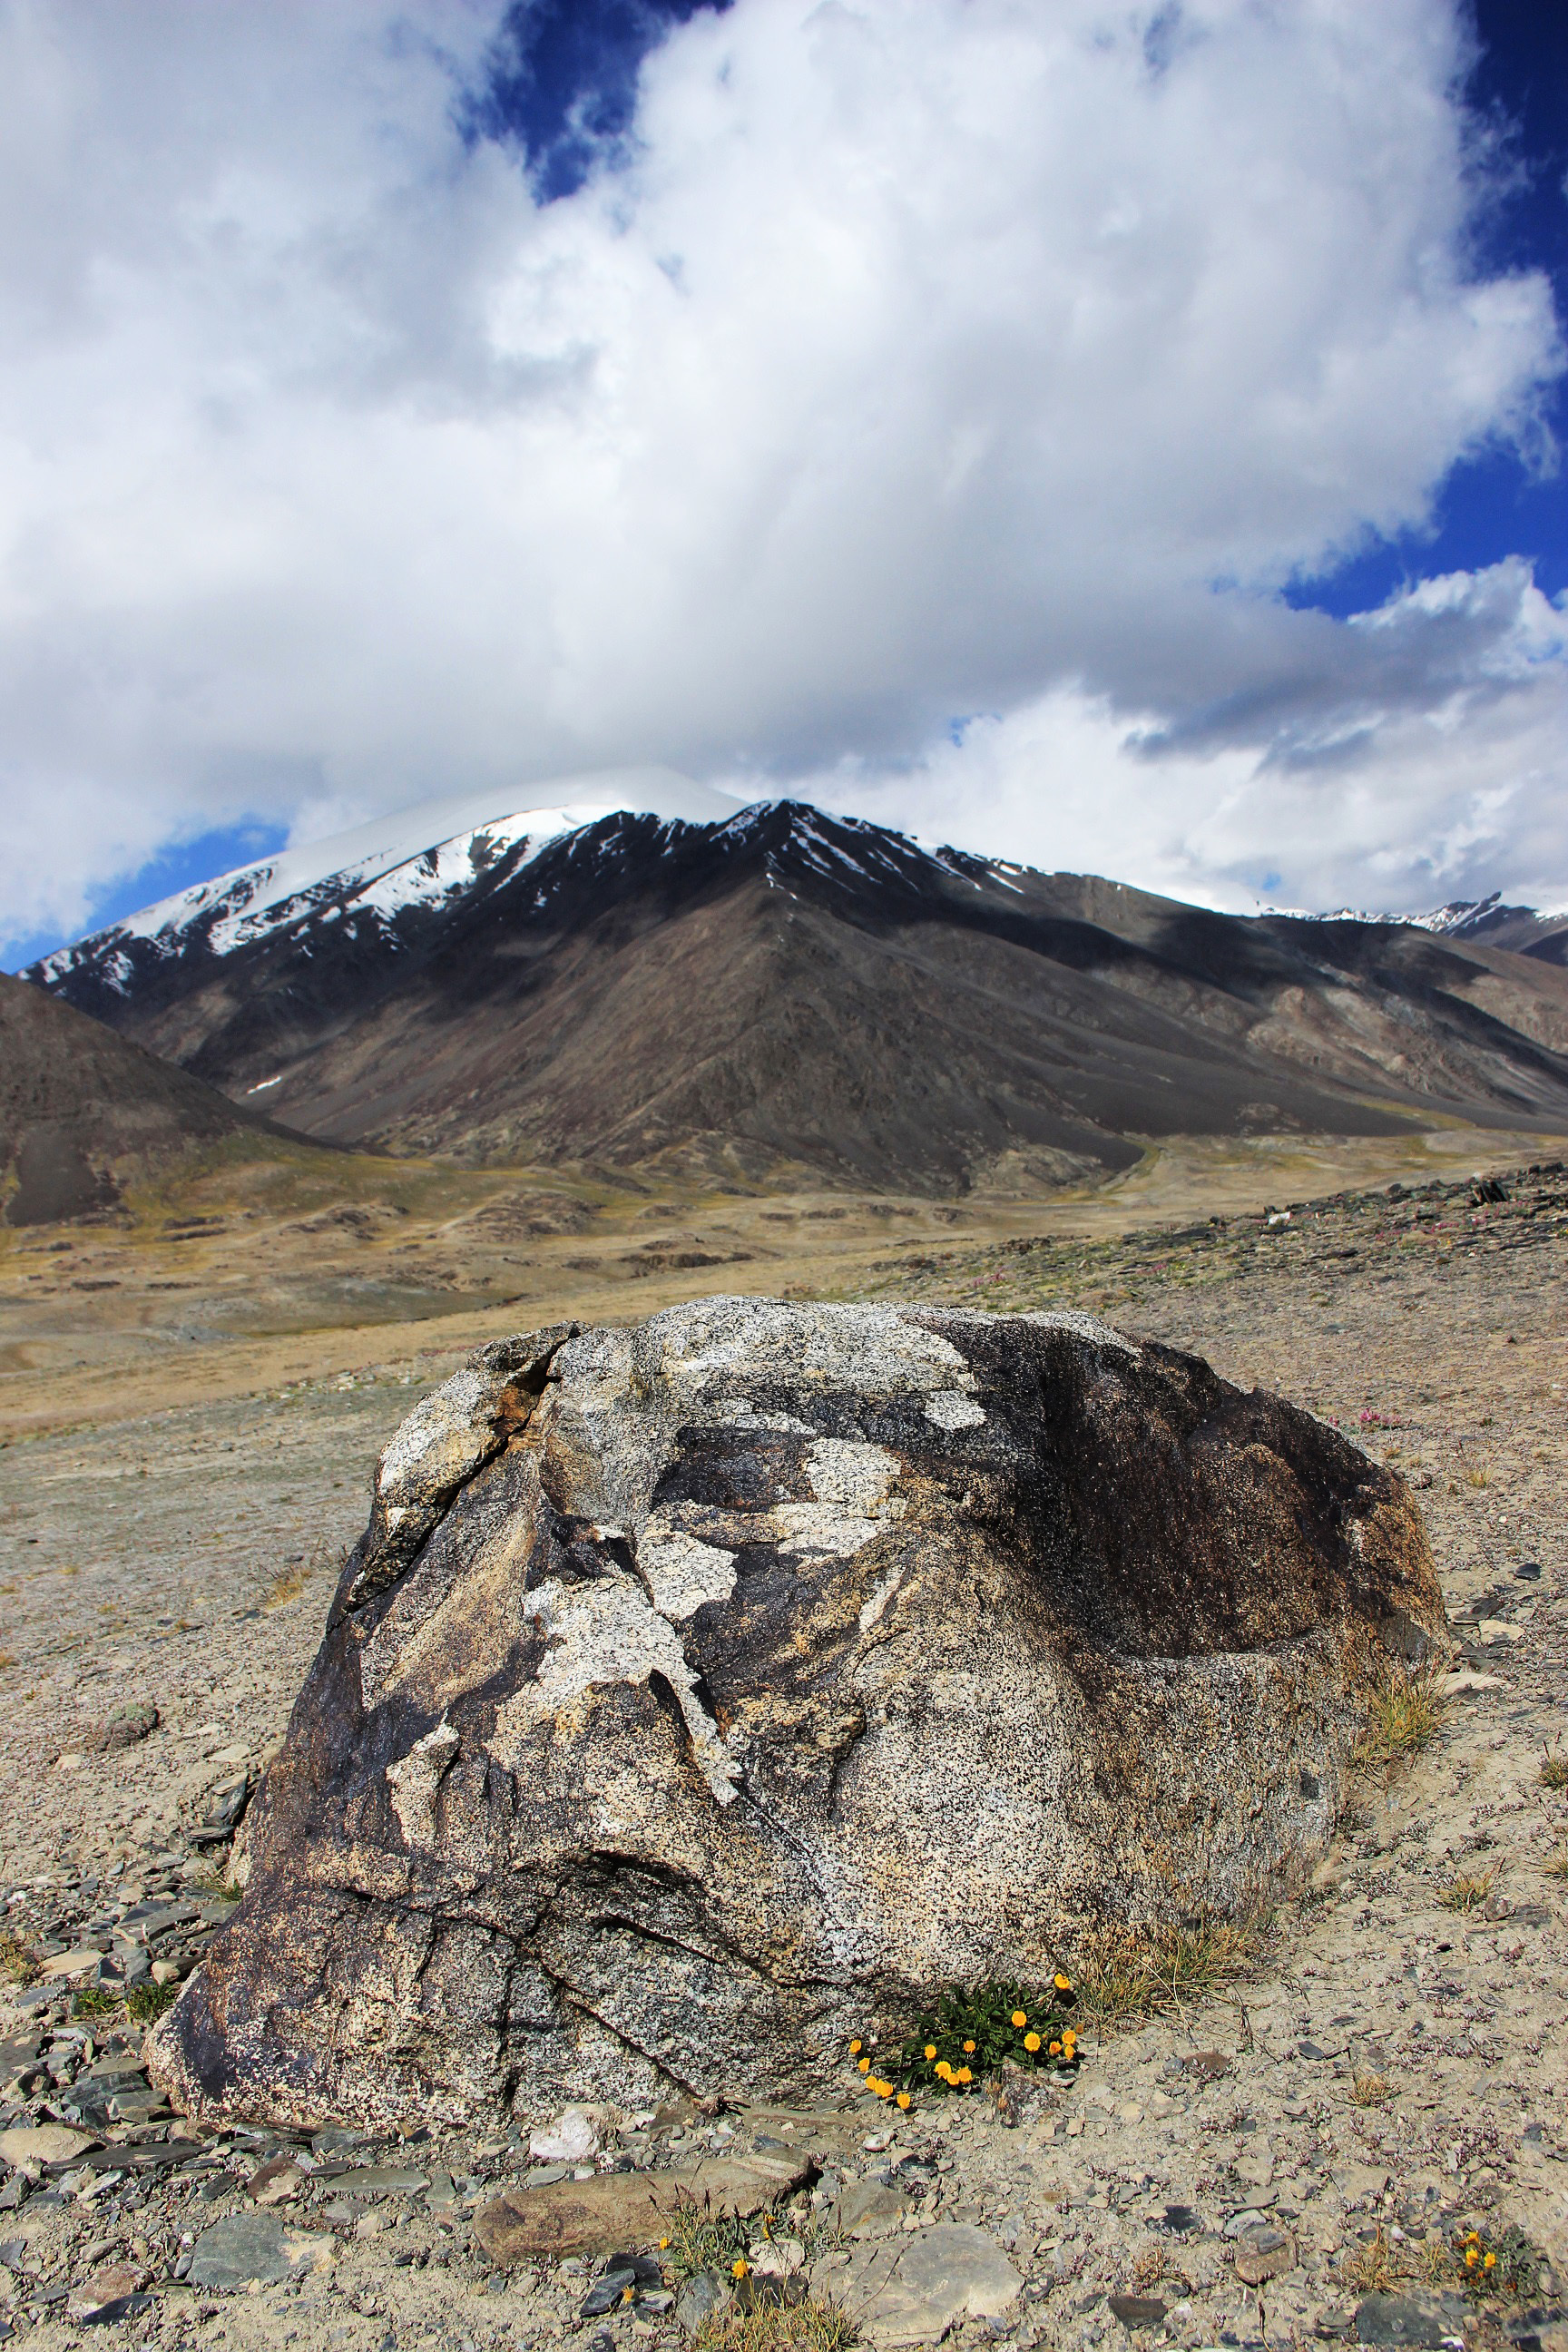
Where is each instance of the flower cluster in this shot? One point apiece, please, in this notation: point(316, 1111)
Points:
point(971, 2035)
point(874, 2083)
point(1511, 2265)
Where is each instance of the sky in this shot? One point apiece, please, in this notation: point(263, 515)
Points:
point(1123, 438)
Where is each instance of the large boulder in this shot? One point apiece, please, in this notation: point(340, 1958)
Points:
point(702, 1690)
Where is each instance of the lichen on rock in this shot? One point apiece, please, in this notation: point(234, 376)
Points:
point(700, 1689)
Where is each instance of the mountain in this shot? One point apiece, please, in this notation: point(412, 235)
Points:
point(785, 990)
point(1526, 930)
point(82, 1109)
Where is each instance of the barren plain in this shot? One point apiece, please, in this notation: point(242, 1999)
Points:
point(193, 1394)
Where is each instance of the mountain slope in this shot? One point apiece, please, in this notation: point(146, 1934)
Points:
point(81, 1109)
point(791, 989)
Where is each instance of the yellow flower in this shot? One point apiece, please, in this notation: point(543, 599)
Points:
point(1031, 2041)
point(904, 2099)
point(1019, 2018)
point(855, 2047)
point(931, 2049)
point(1471, 2256)
point(964, 2075)
point(942, 2069)
point(1055, 2050)
point(739, 2267)
point(863, 2064)
point(884, 2090)
point(1063, 1984)
point(1489, 2261)
point(969, 2048)
point(662, 2244)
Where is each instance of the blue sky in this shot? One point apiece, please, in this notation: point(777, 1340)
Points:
point(1495, 505)
point(399, 404)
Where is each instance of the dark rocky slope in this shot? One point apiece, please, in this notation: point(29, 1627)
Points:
point(82, 1109)
point(790, 987)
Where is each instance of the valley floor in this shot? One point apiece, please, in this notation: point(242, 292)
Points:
point(181, 1551)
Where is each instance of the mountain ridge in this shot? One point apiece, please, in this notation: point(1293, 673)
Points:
point(82, 1109)
point(787, 989)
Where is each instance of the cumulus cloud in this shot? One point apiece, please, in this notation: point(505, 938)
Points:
point(1436, 776)
point(914, 359)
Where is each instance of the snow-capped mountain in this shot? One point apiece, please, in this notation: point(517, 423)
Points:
point(420, 856)
point(1527, 930)
point(748, 994)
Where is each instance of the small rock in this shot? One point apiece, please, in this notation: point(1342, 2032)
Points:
point(1409, 2319)
point(1260, 2260)
point(84, 1962)
point(698, 2300)
point(125, 1726)
point(1137, 2310)
point(777, 2258)
point(166, 1972)
point(1250, 2217)
point(1208, 2065)
point(247, 2246)
point(381, 2180)
point(112, 2284)
point(38, 2144)
point(913, 2290)
point(869, 2209)
point(577, 2134)
point(277, 2180)
point(611, 2290)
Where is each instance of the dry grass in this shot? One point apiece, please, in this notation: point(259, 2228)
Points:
point(807, 2327)
point(1369, 2268)
point(1476, 1473)
point(1554, 1769)
point(286, 1586)
point(326, 1559)
point(16, 1963)
point(1127, 1976)
point(1468, 1890)
point(1151, 2266)
point(1370, 2090)
point(1557, 1863)
point(1404, 1715)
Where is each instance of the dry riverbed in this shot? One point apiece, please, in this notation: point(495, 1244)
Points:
point(1285, 2162)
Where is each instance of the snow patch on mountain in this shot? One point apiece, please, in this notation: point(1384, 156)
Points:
point(416, 856)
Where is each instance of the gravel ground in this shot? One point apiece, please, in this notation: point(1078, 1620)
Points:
point(183, 1562)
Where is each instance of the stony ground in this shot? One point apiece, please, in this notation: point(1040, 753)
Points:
point(1289, 2158)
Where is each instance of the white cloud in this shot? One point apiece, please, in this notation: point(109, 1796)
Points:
point(928, 357)
point(1420, 783)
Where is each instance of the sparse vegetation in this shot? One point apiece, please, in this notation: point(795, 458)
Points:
point(92, 2003)
point(1405, 1712)
point(1131, 1976)
point(1369, 2268)
point(1506, 2263)
point(1468, 1890)
point(968, 2035)
point(1370, 2090)
point(807, 2326)
point(1555, 1768)
point(286, 1586)
point(145, 2003)
point(1557, 1863)
point(17, 1965)
point(701, 2238)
